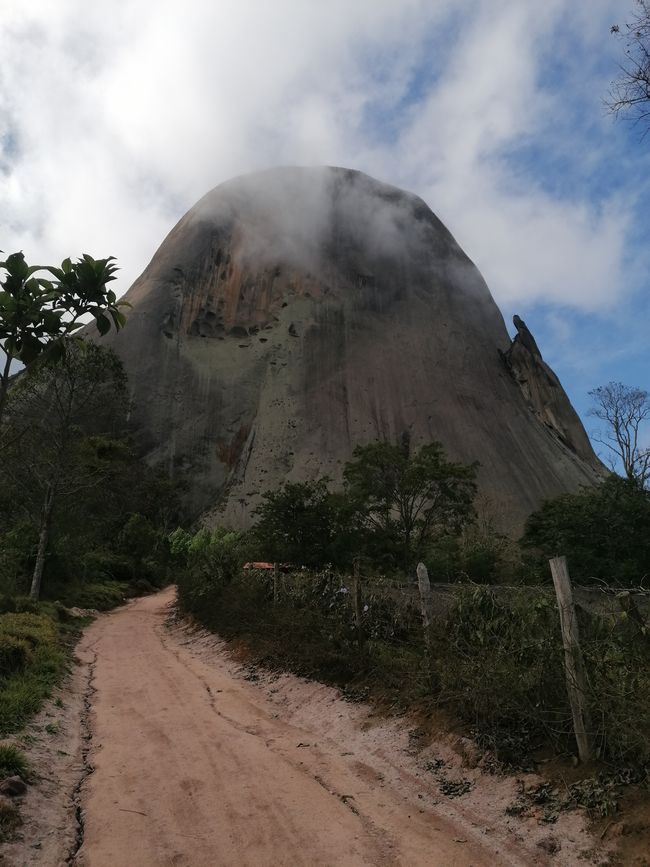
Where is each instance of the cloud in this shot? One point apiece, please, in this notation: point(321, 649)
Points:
point(116, 118)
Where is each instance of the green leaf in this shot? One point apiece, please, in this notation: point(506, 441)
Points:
point(52, 321)
point(30, 349)
point(118, 318)
point(16, 266)
point(103, 323)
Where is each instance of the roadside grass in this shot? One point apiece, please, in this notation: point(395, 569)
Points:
point(13, 762)
point(10, 820)
point(33, 658)
point(36, 641)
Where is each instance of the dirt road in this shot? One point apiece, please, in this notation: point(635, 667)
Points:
point(195, 765)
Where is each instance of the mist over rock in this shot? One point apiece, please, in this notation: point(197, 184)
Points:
point(295, 313)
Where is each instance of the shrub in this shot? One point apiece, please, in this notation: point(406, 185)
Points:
point(97, 596)
point(12, 762)
point(500, 667)
point(496, 660)
point(17, 547)
point(604, 532)
point(14, 653)
point(208, 562)
point(25, 605)
point(141, 587)
point(7, 604)
point(617, 659)
point(297, 523)
point(102, 564)
point(10, 820)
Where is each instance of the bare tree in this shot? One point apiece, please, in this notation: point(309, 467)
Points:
point(630, 92)
point(624, 410)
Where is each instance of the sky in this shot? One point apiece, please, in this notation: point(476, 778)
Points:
point(116, 117)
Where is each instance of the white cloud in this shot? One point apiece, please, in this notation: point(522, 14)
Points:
point(118, 116)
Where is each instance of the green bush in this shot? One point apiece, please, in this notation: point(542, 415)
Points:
point(7, 604)
point(478, 554)
point(12, 762)
point(500, 667)
point(617, 660)
point(25, 605)
point(604, 532)
point(100, 596)
point(17, 547)
point(207, 562)
point(14, 653)
point(316, 610)
point(141, 587)
point(102, 564)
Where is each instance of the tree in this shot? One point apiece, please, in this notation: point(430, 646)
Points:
point(206, 563)
point(59, 418)
point(408, 498)
point(37, 313)
point(624, 410)
point(604, 532)
point(630, 92)
point(297, 523)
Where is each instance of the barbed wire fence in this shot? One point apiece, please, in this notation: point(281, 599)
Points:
point(521, 663)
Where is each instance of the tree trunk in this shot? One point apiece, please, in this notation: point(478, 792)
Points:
point(357, 601)
point(4, 387)
point(43, 536)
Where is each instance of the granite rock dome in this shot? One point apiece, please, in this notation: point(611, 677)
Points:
point(294, 313)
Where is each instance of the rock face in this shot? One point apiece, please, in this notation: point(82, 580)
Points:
point(294, 313)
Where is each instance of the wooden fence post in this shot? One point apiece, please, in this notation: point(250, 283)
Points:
point(426, 603)
point(576, 681)
point(356, 599)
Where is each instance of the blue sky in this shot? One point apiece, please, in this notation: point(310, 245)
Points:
point(491, 110)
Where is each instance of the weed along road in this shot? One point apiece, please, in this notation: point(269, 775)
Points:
point(196, 765)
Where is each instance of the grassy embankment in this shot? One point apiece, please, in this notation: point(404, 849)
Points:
point(36, 640)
